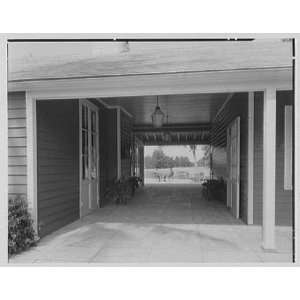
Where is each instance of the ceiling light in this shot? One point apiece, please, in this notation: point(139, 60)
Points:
point(157, 116)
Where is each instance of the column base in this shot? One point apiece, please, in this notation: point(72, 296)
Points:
point(269, 249)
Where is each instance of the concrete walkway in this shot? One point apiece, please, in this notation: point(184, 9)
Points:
point(161, 224)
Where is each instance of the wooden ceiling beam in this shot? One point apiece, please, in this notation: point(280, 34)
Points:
point(172, 128)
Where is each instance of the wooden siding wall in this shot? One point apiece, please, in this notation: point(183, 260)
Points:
point(57, 163)
point(126, 143)
point(283, 204)
point(237, 106)
point(17, 164)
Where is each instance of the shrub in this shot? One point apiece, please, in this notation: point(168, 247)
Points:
point(21, 234)
point(214, 189)
point(122, 190)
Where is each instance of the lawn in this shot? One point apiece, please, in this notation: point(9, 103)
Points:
point(196, 174)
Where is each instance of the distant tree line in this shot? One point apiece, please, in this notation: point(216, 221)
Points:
point(159, 160)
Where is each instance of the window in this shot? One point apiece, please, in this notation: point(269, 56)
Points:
point(288, 147)
point(84, 142)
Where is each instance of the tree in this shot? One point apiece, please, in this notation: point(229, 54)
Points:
point(160, 160)
point(149, 162)
point(207, 154)
point(193, 149)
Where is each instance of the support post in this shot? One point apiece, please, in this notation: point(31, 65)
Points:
point(3, 154)
point(269, 168)
point(142, 166)
point(250, 156)
point(31, 158)
point(296, 233)
point(119, 159)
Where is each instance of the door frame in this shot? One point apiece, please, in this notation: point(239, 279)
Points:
point(93, 107)
point(229, 191)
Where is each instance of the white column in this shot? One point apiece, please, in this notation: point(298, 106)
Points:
point(31, 148)
point(3, 154)
point(269, 168)
point(250, 156)
point(296, 153)
point(119, 172)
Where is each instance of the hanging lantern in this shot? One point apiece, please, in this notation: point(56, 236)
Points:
point(157, 116)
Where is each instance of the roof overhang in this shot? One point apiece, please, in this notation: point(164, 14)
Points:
point(164, 84)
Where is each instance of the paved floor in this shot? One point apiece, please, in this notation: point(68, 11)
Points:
point(161, 224)
point(170, 181)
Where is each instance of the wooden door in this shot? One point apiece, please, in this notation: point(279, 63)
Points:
point(233, 180)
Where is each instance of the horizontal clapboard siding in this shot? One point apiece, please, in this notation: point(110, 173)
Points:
point(17, 161)
point(237, 106)
point(283, 204)
point(57, 163)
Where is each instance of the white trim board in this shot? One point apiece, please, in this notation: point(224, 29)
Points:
point(80, 167)
point(3, 153)
point(119, 160)
point(250, 157)
point(296, 233)
point(31, 148)
point(288, 147)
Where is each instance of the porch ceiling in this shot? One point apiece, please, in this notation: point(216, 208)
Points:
point(56, 60)
point(180, 109)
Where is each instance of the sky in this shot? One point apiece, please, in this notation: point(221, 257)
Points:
point(174, 151)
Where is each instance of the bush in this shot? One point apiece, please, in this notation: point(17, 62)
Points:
point(21, 234)
point(214, 189)
point(122, 190)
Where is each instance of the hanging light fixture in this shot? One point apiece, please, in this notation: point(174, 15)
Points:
point(157, 116)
